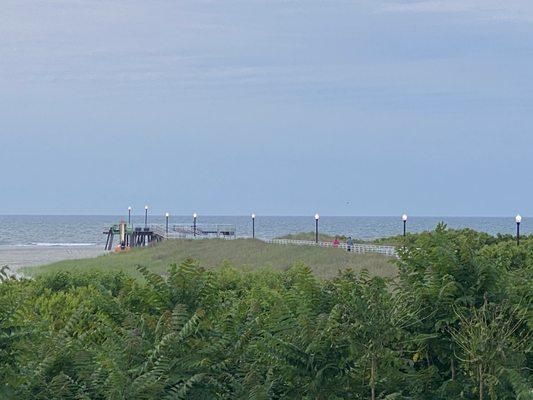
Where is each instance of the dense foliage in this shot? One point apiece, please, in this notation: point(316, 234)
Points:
point(455, 324)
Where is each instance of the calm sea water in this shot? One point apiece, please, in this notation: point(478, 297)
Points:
point(88, 230)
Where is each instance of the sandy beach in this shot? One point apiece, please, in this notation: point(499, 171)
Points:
point(16, 257)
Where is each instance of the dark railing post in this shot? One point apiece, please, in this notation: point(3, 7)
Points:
point(194, 224)
point(146, 216)
point(317, 217)
point(518, 219)
point(166, 221)
point(253, 226)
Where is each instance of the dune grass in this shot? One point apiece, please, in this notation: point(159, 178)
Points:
point(243, 254)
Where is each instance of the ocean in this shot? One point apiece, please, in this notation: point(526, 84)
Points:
point(73, 231)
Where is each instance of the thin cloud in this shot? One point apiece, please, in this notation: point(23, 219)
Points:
point(509, 10)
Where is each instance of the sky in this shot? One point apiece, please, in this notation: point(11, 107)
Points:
point(289, 107)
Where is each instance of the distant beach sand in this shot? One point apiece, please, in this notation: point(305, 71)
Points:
point(16, 257)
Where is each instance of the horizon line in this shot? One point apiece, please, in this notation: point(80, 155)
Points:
point(259, 215)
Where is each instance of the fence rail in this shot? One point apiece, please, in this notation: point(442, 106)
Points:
point(357, 248)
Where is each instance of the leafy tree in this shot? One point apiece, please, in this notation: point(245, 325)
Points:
point(490, 348)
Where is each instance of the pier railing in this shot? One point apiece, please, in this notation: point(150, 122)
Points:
point(201, 231)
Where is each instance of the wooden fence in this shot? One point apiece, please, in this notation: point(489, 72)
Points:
point(357, 248)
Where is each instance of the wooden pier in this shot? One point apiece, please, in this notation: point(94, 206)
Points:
point(131, 237)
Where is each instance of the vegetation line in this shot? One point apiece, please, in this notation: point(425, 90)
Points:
point(453, 323)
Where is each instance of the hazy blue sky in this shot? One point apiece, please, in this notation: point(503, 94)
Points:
point(279, 107)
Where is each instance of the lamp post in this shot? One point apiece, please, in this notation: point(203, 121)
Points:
point(253, 226)
point(146, 216)
point(317, 217)
point(404, 219)
point(194, 223)
point(518, 219)
point(167, 215)
point(129, 215)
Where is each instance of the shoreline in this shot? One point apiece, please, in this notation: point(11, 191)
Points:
point(16, 257)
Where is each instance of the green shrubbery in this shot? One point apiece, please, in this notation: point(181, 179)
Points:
point(456, 323)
